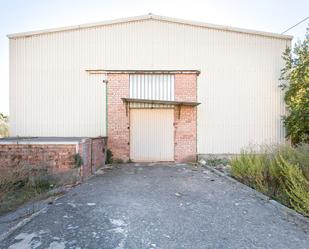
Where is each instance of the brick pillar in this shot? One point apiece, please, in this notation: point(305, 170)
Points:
point(118, 121)
point(185, 124)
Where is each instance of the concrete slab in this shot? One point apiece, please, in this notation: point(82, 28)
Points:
point(159, 207)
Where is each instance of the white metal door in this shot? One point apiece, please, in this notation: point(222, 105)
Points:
point(152, 135)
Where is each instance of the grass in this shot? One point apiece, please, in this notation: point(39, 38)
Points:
point(281, 172)
point(18, 186)
point(215, 161)
point(13, 199)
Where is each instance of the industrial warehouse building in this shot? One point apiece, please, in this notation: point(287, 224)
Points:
point(159, 88)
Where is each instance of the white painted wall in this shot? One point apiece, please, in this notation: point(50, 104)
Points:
point(52, 95)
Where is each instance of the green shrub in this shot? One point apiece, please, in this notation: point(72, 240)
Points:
point(295, 185)
point(78, 161)
point(109, 157)
point(215, 161)
point(42, 184)
point(280, 172)
point(248, 167)
point(302, 158)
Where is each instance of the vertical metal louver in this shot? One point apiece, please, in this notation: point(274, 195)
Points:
point(152, 86)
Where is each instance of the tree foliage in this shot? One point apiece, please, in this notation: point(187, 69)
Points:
point(4, 127)
point(295, 78)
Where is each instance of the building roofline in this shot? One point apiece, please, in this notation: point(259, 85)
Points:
point(153, 17)
point(144, 71)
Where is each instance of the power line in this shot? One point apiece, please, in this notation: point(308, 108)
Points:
point(295, 25)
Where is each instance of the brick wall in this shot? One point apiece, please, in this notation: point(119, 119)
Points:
point(92, 152)
point(118, 121)
point(84, 150)
point(185, 123)
point(56, 159)
point(185, 87)
point(98, 153)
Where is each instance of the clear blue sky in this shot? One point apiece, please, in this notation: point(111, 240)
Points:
point(19, 16)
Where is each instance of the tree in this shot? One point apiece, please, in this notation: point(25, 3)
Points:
point(295, 78)
point(4, 127)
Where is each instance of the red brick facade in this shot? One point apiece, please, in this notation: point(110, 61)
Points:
point(185, 122)
point(118, 132)
point(55, 159)
point(185, 87)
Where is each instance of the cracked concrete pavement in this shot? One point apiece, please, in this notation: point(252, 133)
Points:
point(160, 206)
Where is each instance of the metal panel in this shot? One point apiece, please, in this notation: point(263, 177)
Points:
point(151, 17)
point(152, 135)
point(147, 105)
point(152, 86)
point(52, 95)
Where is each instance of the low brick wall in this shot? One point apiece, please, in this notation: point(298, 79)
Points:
point(92, 152)
point(57, 159)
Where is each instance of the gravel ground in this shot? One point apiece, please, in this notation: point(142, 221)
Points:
point(160, 206)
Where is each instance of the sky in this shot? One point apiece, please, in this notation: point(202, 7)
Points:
point(265, 15)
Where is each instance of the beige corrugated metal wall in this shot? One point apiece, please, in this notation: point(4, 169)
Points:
point(52, 95)
point(152, 135)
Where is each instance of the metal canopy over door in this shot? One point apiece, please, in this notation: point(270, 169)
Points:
point(152, 135)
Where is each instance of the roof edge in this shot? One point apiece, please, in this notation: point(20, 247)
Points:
point(157, 101)
point(222, 27)
point(80, 26)
point(154, 17)
point(143, 71)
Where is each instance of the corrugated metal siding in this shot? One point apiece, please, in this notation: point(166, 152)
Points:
point(50, 94)
point(154, 87)
point(241, 102)
point(149, 86)
point(152, 135)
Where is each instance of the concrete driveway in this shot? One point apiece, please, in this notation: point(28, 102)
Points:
point(159, 207)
